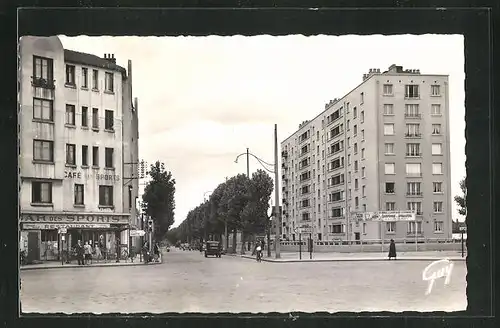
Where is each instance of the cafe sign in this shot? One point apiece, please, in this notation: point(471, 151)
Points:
point(99, 176)
point(74, 218)
point(63, 227)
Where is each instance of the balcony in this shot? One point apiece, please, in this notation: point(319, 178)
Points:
point(284, 154)
point(414, 194)
point(40, 82)
point(283, 177)
point(283, 188)
point(413, 115)
point(413, 135)
point(336, 151)
point(338, 167)
point(414, 154)
point(283, 165)
point(303, 166)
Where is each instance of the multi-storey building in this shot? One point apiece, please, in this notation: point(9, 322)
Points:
point(385, 146)
point(78, 145)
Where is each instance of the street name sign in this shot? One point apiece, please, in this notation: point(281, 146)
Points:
point(463, 229)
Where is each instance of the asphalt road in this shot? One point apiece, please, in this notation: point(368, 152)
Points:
point(189, 282)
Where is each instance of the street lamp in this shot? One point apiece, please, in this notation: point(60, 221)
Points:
point(261, 162)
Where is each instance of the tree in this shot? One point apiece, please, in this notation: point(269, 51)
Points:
point(254, 218)
point(461, 199)
point(159, 199)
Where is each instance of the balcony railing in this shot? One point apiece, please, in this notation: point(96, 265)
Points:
point(42, 83)
point(413, 115)
point(414, 194)
point(413, 135)
point(419, 154)
point(338, 167)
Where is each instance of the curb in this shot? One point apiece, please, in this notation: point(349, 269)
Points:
point(347, 259)
point(72, 266)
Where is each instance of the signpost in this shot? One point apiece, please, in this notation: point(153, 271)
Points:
point(304, 229)
point(62, 231)
point(462, 230)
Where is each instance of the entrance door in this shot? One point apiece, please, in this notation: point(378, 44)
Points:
point(357, 237)
point(33, 253)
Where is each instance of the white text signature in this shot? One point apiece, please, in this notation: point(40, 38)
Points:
point(436, 270)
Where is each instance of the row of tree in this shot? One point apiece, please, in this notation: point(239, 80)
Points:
point(239, 204)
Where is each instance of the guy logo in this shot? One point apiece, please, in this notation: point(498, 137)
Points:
point(436, 270)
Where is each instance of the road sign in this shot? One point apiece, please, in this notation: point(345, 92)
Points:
point(296, 230)
point(463, 229)
point(62, 230)
point(137, 233)
point(306, 230)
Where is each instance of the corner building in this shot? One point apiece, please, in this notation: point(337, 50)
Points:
point(385, 146)
point(78, 145)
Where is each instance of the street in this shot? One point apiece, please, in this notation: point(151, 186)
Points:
point(189, 282)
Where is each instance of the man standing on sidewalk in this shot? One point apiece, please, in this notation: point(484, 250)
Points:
point(117, 246)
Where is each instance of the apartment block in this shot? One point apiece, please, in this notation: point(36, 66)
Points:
point(385, 146)
point(78, 149)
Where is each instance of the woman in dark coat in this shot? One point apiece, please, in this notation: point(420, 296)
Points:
point(392, 250)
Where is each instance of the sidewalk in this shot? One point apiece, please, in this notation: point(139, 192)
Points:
point(293, 257)
point(58, 264)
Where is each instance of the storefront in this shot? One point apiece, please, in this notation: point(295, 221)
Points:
point(48, 235)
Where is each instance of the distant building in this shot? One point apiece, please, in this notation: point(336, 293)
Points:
point(78, 144)
point(385, 146)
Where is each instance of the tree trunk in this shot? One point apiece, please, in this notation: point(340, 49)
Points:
point(268, 240)
point(235, 232)
point(243, 236)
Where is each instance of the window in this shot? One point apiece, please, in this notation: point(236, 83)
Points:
point(108, 82)
point(391, 227)
point(411, 227)
point(411, 91)
point(363, 172)
point(95, 118)
point(389, 148)
point(43, 69)
point(435, 90)
point(85, 116)
point(436, 109)
point(412, 130)
point(413, 189)
point(438, 226)
point(412, 110)
point(436, 129)
point(390, 168)
point(416, 207)
point(362, 118)
point(390, 188)
point(437, 168)
point(388, 109)
point(413, 150)
point(85, 155)
point(130, 197)
point(108, 120)
point(108, 160)
point(437, 149)
point(348, 125)
point(79, 199)
point(95, 156)
point(362, 135)
point(438, 207)
point(437, 187)
point(105, 196)
point(85, 77)
point(355, 129)
point(70, 114)
point(305, 217)
point(70, 75)
point(356, 202)
point(364, 227)
point(389, 129)
point(43, 150)
point(43, 109)
point(413, 169)
point(41, 192)
point(354, 112)
point(95, 79)
point(362, 96)
point(355, 148)
point(348, 142)
point(362, 153)
point(70, 154)
point(355, 166)
point(390, 206)
point(363, 191)
point(388, 90)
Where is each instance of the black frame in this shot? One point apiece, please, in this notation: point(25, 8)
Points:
point(109, 84)
point(109, 120)
point(95, 118)
point(85, 78)
point(68, 148)
point(109, 154)
point(95, 156)
point(40, 81)
point(391, 17)
point(102, 190)
point(76, 187)
point(85, 155)
point(72, 112)
point(49, 161)
point(40, 119)
point(34, 192)
point(85, 117)
point(70, 70)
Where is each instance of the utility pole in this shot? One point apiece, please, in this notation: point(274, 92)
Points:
point(277, 214)
point(248, 164)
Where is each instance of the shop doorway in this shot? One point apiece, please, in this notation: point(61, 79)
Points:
point(33, 253)
point(357, 237)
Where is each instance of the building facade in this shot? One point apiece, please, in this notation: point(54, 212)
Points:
point(78, 149)
point(385, 146)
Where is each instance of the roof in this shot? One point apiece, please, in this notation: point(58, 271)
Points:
point(91, 60)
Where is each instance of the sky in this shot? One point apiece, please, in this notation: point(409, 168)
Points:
point(204, 100)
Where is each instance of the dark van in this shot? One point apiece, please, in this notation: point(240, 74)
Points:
point(212, 248)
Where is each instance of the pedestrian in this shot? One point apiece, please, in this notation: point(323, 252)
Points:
point(97, 251)
point(117, 249)
point(102, 248)
point(79, 252)
point(88, 252)
point(392, 250)
point(157, 252)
